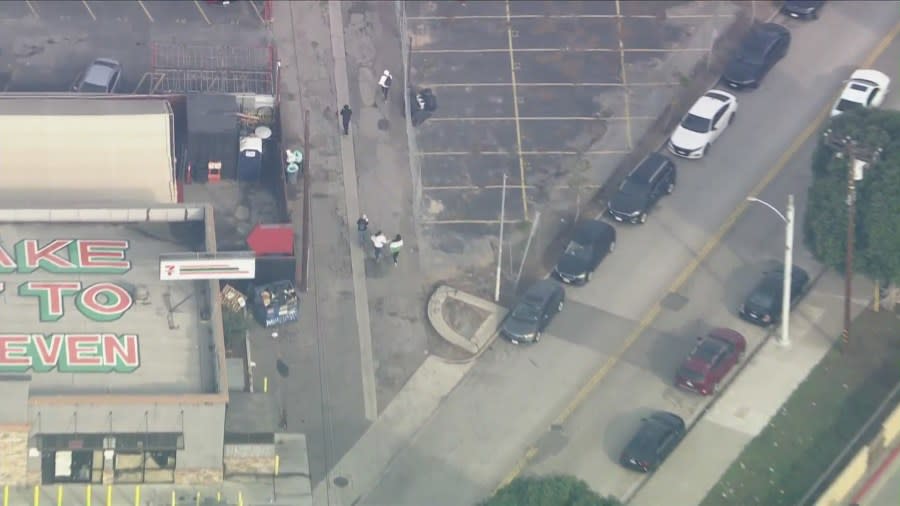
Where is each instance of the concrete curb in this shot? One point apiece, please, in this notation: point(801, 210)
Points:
point(482, 336)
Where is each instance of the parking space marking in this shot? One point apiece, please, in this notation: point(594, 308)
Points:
point(144, 7)
point(512, 71)
point(469, 222)
point(33, 10)
point(560, 16)
point(202, 12)
point(500, 187)
point(624, 74)
point(256, 10)
point(548, 85)
point(88, 7)
point(544, 118)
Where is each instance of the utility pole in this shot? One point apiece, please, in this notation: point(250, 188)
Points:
point(858, 157)
point(500, 240)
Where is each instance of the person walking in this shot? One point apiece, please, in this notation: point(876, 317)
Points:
point(385, 83)
point(345, 118)
point(378, 242)
point(395, 246)
point(362, 229)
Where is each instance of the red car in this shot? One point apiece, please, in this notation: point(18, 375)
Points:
point(711, 360)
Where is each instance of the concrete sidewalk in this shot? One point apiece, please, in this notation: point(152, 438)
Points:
point(744, 409)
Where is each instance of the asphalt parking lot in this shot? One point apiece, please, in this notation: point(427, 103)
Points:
point(45, 44)
point(551, 94)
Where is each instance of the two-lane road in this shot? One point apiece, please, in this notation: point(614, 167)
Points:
point(514, 394)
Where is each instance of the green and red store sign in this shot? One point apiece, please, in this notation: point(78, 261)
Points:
point(102, 301)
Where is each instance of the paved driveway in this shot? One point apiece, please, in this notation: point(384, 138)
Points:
point(515, 394)
point(550, 94)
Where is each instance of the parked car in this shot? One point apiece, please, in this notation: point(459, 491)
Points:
point(534, 311)
point(591, 242)
point(802, 9)
point(101, 76)
point(763, 305)
point(654, 177)
point(760, 50)
point(422, 103)
point(658, 435)
point(866, 88)
point(711, 360)
point(703, 124)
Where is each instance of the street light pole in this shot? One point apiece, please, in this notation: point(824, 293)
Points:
point(788, 219)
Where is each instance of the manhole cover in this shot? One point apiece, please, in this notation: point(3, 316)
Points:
point(341, 482)
point(674, 302)
point(383, 124)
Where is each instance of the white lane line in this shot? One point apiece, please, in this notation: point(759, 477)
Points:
point(500, 187)
point(90, 11)
point(524, 153)
point(512, 71)
point(545, 118)
point(469, 222)
point(147, 12)
point(624, 74)
point(561, 50)
point(545, 85)
point(33, 10)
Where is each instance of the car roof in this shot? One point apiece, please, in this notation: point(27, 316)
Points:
point(590, 228)
point(710, 103)
point(101, 72)
point(861, 84)
point(709, 348)
point(541, 290)
point(764, 33)
point(649, 167)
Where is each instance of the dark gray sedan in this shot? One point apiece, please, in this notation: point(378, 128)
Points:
point(533, 312)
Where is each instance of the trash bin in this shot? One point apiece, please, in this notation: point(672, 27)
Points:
point(293, 172)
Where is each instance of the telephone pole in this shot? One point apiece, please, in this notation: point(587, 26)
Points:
point(858, 157)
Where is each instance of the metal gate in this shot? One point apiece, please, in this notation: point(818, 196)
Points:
point(178, 68)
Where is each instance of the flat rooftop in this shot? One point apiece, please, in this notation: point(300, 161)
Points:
point(84, 310)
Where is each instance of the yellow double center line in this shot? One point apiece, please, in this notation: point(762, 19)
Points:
point(686, 273)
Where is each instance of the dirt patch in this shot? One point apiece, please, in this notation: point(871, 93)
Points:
point(463, 317)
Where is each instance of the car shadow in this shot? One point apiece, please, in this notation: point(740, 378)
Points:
point(621, 429)
point(741, 281)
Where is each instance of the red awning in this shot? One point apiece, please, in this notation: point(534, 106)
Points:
point(271, 240)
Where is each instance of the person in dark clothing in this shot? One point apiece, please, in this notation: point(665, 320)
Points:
point(362, 229)
point(345, 118)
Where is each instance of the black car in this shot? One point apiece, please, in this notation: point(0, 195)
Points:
point(533, 312)
point(659, 434)
point(763, 305)
point(591, 242)
point(423, 103)
point(759, 51)
point(654, 177)
point(802, 9)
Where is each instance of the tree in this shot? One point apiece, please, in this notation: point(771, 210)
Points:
point(557, 490)
point(877, 241)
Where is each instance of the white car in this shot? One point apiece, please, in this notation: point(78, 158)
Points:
point(703, 124)
point(866, 88)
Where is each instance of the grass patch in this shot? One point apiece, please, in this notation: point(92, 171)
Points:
point(818, 420)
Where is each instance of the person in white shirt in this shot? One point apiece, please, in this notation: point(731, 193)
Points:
point(385, 83)
point(395, 246)
point(378, 242)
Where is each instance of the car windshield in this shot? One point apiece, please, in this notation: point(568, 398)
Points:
point(707, 351)
point(691, 375)
point(761, 299)
point(578, 250)
point(92, 88)
point(526, 312)
point(695, 123)
point(845, 105)
point(753, 52)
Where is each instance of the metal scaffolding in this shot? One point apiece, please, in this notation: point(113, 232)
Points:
point(181, 68)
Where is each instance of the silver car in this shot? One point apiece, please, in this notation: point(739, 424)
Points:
point(101, 76)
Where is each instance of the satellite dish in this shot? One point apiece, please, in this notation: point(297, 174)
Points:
point(263, 132)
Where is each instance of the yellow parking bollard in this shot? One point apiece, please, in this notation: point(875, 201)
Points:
point(109, 495)
point(197, 502)
point(877, 305)
point(37, 495)
point(219, 496)
point(59, 495)
point(266, 384)
point(6, 495)
point(173, 498)
point(240, 498)
point(88, 495)
point(277, 463)
point(137, 495)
